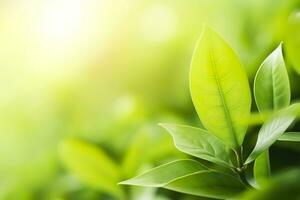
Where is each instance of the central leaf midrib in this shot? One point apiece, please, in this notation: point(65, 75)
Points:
point(223, 100)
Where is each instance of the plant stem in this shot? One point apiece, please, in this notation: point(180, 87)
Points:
point(240, 169)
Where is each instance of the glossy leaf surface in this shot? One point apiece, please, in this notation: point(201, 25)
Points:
point(271, 84)
point(272, 129)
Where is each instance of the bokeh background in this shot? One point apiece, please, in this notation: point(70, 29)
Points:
point(84, 84)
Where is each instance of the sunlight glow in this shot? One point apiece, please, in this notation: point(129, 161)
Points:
point(61, 20)
point(158, 24)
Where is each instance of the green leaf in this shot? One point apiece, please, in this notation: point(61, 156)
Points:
point(271, 92)
point(210, 184)
point(188, 176)
point(271, 84)
point(220, 89)
point(261, 168)
point(272, 129)
point(160, 176)
point(198, 142)
point(292, 41)
point(290, 136)
point(91, 165)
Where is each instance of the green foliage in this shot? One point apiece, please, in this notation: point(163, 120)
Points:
point(271, 93)
point(271, 84)
point(221, 103)
point(220, 93)
point(111, 89)
point(272, 129)
point(190, 177)
point(211, 184)
point(262, 168)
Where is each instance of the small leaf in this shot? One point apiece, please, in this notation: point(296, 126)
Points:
point(220, 89)
point(290, 136)
point(271, 84)
point(91, 165)
point(211, 184)
point(272, 129)
point(198, 142)
point(161, 175)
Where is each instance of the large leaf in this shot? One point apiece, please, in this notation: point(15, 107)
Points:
point(292, 41)
point(272, 129)
point(198, 142)
point(290, 136)
point(271, 84)
point(211, 184)
point(160, 176)
point(91, 165)
point(188, 176)
point(220, 89)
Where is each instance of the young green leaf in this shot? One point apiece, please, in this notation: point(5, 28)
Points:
point(272, 129)
point(271, 84)
point(161, 175)
point(210, 184)
point(91, 165)
point(290, 136)
point(271, 92)
point(220, 89)
point(198, 142)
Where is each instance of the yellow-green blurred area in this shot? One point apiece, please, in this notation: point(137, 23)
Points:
point(84, 84)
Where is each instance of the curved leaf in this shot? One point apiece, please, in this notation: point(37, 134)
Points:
point(273, 129)
point(211, 184)
point(188, 176)
point(271, 92)
point(290, 136)
point(198, 142)
point(220, 89)
point(91, 165)
point(271, 84)
point(161, 175)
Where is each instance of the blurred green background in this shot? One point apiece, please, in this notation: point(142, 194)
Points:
point(85, 82)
